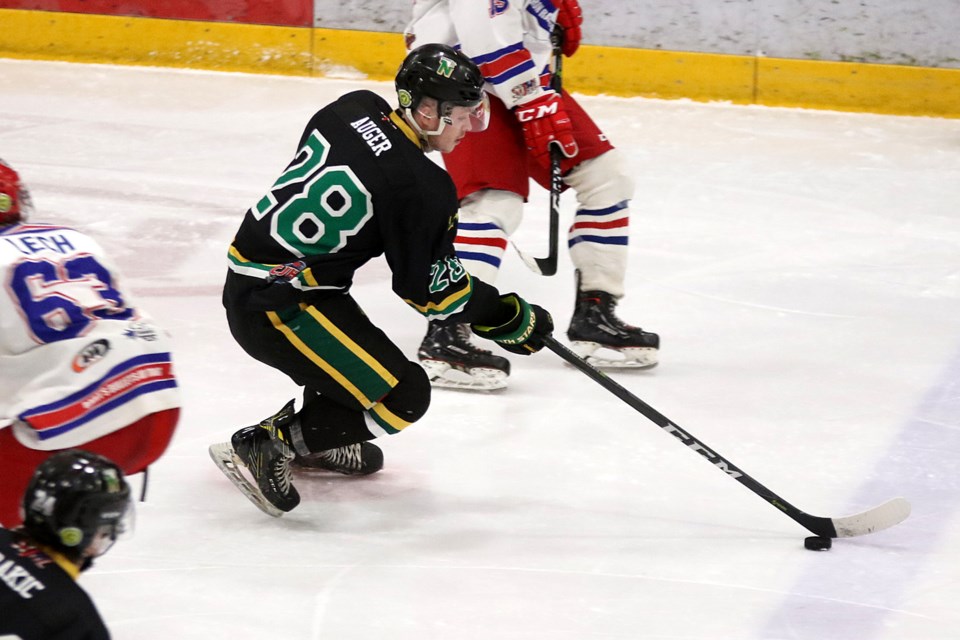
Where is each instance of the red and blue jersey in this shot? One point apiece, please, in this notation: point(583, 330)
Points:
point(78, 360)
point(509, 40)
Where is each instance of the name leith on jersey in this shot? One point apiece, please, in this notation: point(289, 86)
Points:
point(370, 132)
point(29, 245)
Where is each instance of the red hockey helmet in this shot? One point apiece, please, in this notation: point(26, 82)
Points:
point(15, 203)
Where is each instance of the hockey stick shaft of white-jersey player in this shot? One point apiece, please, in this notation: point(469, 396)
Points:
point(880, 517)
point(548, 266)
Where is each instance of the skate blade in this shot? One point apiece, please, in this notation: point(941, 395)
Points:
point(227, 461)
point(608, 358)
point(444, 376)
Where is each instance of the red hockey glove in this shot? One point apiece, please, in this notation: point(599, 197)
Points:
point(546, 122)
point(569, 19)
point(523, 333)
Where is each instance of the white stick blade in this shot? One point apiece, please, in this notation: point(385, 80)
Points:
point(881, 517)
point(527, 260)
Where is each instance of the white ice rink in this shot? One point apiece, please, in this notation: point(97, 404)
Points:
point(802, 268)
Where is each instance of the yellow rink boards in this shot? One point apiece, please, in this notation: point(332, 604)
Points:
point(845, 86)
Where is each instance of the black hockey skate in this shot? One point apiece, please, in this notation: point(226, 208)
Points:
point(602, 339)
point(263, 450)
point(359, 459)
point(452, 361)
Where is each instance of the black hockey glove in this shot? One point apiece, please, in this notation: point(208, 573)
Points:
point(523, 333)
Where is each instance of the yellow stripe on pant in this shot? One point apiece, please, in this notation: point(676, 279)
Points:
point(327, 346)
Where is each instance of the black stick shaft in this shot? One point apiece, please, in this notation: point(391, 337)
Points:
point(815, 524)
point(548, 265)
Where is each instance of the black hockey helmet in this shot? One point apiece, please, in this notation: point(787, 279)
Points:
point(15, 203)
point(441, 72)
point(78, 503)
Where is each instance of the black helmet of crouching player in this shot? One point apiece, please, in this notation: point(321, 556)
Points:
point(15, 203)
point(446, 75)
point(77, 502)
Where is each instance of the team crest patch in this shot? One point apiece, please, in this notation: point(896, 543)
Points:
point(497, 7)
point(446, 67)
point(112, 480)
point(524, 89)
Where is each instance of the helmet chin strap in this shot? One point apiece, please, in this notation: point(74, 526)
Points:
point(424, 135)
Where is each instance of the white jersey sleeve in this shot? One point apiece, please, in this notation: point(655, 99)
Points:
point(510, 41)
point(77, 359)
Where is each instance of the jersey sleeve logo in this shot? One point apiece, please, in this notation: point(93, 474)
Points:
point(498, 7)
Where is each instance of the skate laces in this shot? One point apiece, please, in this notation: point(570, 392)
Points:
point(462, 335)
point(346, 457)
point(606, 305)
point(280, 470)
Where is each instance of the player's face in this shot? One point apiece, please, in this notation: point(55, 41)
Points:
point(458, 123)
point(445, 132)
point(107, 534)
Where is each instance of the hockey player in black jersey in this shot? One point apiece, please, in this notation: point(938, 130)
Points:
point(359, 186)
point(75, 506)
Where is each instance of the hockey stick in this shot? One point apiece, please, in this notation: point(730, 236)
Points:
point(548, 266)
point(880, 517)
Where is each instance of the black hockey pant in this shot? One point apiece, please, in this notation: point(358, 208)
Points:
point(358, 384)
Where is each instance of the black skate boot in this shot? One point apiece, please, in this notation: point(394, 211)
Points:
point(263, 450)
point(454, 362)
point(599, 336)
point(359, 459)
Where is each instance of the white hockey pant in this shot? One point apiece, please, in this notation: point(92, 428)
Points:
point(597, 239)
point(487, 219)
point(600, 232)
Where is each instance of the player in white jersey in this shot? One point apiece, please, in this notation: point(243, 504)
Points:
point(80, 366)
point(510, 40)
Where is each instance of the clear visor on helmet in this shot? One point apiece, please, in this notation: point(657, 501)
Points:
point(477, 115)
point(117, 522)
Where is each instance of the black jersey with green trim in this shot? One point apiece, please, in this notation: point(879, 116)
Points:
point(39, 600)
point(358, 187)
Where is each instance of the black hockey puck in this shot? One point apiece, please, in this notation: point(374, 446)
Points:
point(817, 543)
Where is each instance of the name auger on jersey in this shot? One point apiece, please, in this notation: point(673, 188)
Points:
point(370, 132)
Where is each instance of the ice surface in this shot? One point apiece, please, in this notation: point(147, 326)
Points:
point(802, 268)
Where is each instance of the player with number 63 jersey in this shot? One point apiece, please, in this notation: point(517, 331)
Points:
point(79, 362)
